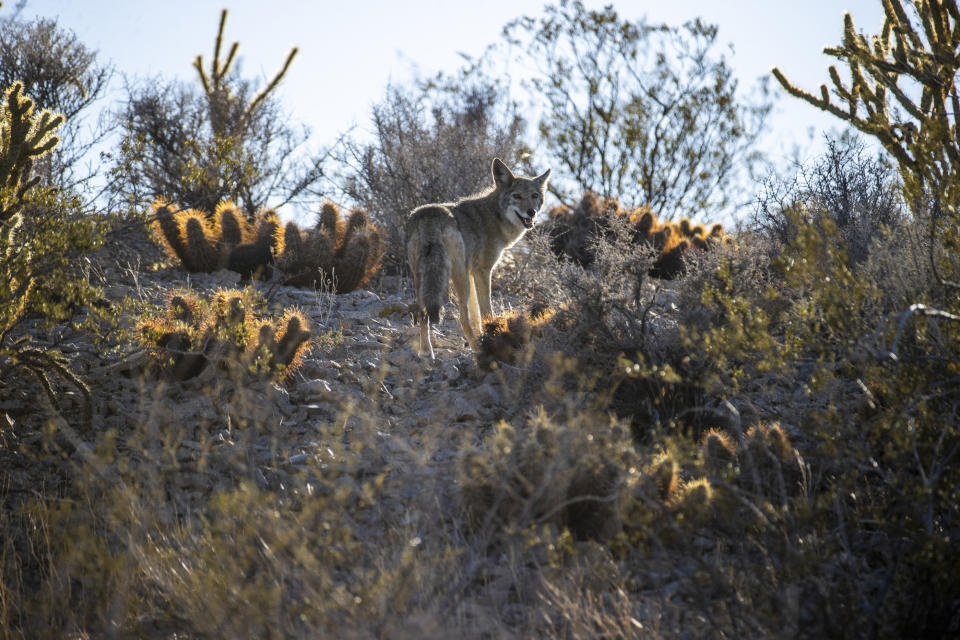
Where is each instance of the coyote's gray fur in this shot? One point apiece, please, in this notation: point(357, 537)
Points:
point(463, 241)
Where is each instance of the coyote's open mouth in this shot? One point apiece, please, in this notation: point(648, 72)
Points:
point(526, 220)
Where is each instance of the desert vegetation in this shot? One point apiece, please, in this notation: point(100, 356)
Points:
point(214, 423)
point(574, 234)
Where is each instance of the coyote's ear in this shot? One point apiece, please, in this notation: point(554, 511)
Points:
point(543, 177)
point(502, 176)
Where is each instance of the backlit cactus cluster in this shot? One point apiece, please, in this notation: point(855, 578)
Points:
point(337, 254)
point(194, 334)
point(228, 240)
point(764, 463)
point(573, 233)
point(506, 337)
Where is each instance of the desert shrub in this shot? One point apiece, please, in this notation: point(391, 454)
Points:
point(563, 475)
point(614, 327)
point(810, 343)
point(225, 141)
point(859, 193)
point(223, 331)
point(906, 392)
point(429, 145)
point(134, 537)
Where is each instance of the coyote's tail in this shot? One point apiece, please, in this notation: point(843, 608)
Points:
point(434, 275)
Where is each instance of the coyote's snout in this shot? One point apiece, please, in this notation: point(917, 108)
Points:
point(464, 241)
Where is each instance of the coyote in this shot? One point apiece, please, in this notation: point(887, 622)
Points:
point(464, 241)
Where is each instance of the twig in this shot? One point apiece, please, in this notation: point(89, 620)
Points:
point(917, 308)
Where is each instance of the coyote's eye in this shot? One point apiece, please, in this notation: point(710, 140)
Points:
point(517, 196)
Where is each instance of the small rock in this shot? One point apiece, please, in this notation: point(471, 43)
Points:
point(317, 410)
point(318, 388)
point(464, 410)
point(487, 395)
point(300, 458)
point(117, 291)
point(401, 357)
point(450, 372)
point(199, 409)
point(363, 295)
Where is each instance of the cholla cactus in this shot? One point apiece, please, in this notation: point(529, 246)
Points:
point(769, 460)
point(180, 338)
point(916, 49)
point(665, 474)
point(669, 264)
point(695, 501)
point(336, 253)
point(223, 104)
point(280, 346)
point(718, 449)
point(24, 136)
point(233, 228)
point(254, 259)
point(194, 334)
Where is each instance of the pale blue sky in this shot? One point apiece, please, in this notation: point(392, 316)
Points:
point(349, 50)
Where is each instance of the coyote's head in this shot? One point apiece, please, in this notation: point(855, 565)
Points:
point(520, 198)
